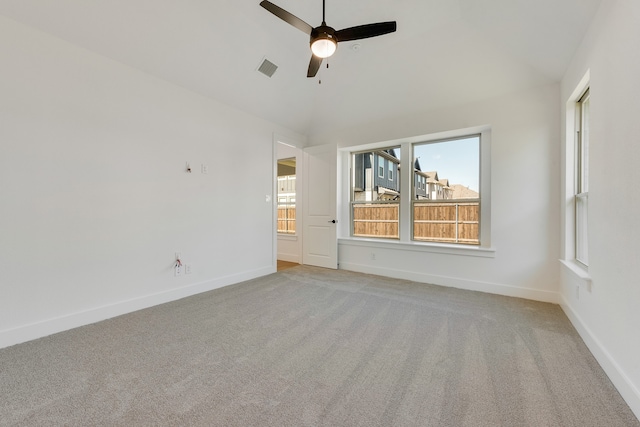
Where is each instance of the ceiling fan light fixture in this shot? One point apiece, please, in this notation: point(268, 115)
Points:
point(324, 46)
point(324, 39)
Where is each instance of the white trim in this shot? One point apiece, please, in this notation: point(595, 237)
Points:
point(454, 282)
point(74, 320)
point(419, 138)
point(285, 236)
point(485, 188)
point(406, 183)
point(274, 199)
point(581, 87)
point(569, 168)
point(579, 272)
point(616, 374)
point(289, 257)
point(440, 248)
point(577, 269)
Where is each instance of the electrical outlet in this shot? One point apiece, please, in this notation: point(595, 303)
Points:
point(178, 270)
point(204, 168)
point(187, 269)
point(373, 256)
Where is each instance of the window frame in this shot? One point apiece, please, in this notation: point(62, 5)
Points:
point(440, 191)
point(581, 179)
point(568, 259)
point(406, 183)
point(286, 193)
point(377, 161)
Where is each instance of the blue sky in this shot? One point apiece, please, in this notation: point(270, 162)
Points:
point(457, 160)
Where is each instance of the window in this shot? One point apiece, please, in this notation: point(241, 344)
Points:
point(451, 213)
point(446, 188)
point(375, 200)
point(581, 197)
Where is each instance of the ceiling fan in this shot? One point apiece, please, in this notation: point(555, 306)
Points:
point(324, 39)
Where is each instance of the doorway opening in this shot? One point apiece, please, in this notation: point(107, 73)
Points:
point(288, 206)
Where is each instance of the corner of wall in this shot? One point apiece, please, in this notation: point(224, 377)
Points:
point(614, 371)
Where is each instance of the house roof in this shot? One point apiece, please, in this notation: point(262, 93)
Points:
point(463, 192)
point(444, 53)
point(432, 176)
point(389, 155)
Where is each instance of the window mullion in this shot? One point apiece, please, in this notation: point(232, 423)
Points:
point(406, 180)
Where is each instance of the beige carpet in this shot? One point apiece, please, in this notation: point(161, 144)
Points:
point(314, 347)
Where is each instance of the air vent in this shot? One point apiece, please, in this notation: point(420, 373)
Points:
point(267, 68)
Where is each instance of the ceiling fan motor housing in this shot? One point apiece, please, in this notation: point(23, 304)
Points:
point(322, 33)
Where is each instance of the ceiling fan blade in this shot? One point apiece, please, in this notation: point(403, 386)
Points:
point(314, 66)
point(365, 31)
point(287, 17)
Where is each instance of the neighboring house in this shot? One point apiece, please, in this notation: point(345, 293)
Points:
point(376, 176)
point(437, 189)
point(427, 185)
point(443, 190)
point(419, 181)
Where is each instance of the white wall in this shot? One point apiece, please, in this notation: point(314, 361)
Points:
point(525, 145)
point(94, 197)
point(608, 316)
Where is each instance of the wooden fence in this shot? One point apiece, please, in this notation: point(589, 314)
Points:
point(376, 220)
point(442, 221)
point(450, 222)
point(287, 219)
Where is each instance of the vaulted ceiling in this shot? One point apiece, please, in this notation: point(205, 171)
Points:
point(444, 53)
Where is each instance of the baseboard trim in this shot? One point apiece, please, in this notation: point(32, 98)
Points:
point(454, 282)
point(51, 326)
point(616, 374)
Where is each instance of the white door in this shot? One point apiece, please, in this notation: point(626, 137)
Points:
point(319, 243)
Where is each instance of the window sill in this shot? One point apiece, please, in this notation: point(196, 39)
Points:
point(439, 248)
point(578, 271)
point(283, 236)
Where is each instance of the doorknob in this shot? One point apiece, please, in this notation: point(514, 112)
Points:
point(333, 221)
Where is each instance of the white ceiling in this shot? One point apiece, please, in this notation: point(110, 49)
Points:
point(444, 53)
